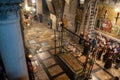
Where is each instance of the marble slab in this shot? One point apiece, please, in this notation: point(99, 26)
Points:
point(71, 62)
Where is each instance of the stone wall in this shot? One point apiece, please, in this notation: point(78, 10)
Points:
point(39, 6)
point(70, 12)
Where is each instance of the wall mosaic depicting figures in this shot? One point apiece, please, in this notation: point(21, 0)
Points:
point(108, 19)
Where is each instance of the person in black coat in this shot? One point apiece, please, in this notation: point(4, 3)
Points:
point(86, 48)
point(81, 38)
point(36, 18)
point(108, 63)
point(107, 54)
point(118, 62)
point(115, 78)
point(40, 18)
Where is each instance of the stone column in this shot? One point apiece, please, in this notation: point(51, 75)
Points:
point(11, 43)
point(59, 9)
point(39, 6)
point(70, 12)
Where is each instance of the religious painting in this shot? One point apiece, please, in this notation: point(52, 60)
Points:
point(108, 21)
point(106, 25)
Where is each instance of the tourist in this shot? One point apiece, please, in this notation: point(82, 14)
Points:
point(81, 38)
point(118, 62)
point(93, 42)
point(64, 21)
point(40, 18)
point(50, 23)
point(86, 48)
point(107, 53)
point(108, 63)
point(116, 78)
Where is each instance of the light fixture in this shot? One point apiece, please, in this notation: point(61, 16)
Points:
point(27, 8)
point(30, 55)
point(28, 24)
point(82, 1)
point(34, 9)
point(50, 0)
point(116, 9)
point(33, 1)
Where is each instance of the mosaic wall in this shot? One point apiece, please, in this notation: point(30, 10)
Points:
point(108, 19)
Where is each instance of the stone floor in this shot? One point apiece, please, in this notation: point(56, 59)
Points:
point(40, 41)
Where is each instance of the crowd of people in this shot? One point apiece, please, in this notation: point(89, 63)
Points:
point(104, 49)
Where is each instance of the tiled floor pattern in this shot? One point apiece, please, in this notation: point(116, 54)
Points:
point(49, 62)
point(104, 76)
point(41, 44)
point(50, 66)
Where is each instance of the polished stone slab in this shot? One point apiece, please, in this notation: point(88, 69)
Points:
point(71, 62)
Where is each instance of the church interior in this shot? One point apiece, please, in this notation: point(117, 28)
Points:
point(59, 39)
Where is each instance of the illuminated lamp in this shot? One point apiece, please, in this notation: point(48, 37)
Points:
point(116, 9)
point(34, 9)
point(27, 8)
point(33, 1)
point(82, 1)
point(30, 55)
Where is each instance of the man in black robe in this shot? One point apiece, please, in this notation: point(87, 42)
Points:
point(86, 48)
